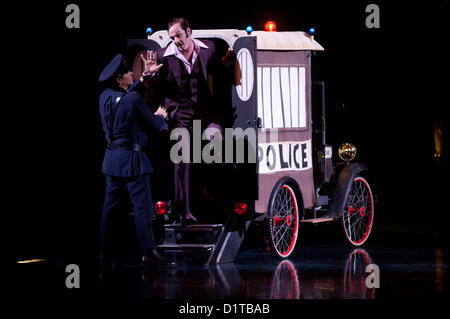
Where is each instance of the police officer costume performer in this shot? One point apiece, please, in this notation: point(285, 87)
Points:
point(125, 116)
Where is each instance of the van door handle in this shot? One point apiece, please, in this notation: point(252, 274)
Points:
point(258, 122)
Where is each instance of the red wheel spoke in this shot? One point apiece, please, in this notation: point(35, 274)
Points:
point(284, 225)
point(357, 217)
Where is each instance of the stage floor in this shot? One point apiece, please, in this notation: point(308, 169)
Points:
point(316, 271)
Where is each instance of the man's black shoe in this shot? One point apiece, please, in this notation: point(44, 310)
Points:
point(189, 221)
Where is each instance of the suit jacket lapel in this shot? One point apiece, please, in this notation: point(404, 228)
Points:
point(202, 55)
point(174, 67)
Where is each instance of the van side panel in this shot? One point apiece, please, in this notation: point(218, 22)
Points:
point(285, 140)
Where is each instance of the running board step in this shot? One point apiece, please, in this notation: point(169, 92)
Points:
point(317, 220)
point(200, 234)
point(187, 253)
point(204, 243)
point(186, 246)
point(205, 227)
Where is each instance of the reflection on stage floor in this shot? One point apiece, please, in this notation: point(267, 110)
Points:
point(315, 272)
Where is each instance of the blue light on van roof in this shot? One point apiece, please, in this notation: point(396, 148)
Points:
point(149, 30)
point(311, 31)
point(249, 29)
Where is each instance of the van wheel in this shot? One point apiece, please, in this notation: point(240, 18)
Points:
point(283, 221)
point(357, 218)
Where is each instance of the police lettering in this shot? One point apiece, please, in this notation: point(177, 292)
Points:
point(284, 156)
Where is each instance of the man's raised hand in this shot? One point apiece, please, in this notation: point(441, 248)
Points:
point(150, 65)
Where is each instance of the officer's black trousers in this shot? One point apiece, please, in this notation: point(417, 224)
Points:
point(141, 197)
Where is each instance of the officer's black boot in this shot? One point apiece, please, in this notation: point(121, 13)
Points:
point(153, 258)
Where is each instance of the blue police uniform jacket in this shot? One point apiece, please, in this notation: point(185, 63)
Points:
point(132, 118)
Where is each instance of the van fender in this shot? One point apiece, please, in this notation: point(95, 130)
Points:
point(342, 189)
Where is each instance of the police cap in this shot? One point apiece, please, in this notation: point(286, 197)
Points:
point(115, 67)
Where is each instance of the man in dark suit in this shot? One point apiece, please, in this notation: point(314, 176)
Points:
point(125, 116)
point(179, 72)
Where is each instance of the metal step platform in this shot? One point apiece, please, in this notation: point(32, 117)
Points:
point(203, 243)
point(192, 234)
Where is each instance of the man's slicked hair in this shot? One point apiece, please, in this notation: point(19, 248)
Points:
point(182, 21)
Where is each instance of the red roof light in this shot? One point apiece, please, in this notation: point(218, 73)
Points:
point(270, 26)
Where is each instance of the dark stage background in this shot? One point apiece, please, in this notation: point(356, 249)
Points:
point(388, 80)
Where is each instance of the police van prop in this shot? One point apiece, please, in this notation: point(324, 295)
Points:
point(292, 181)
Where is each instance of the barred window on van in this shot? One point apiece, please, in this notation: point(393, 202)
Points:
point(281, 97)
